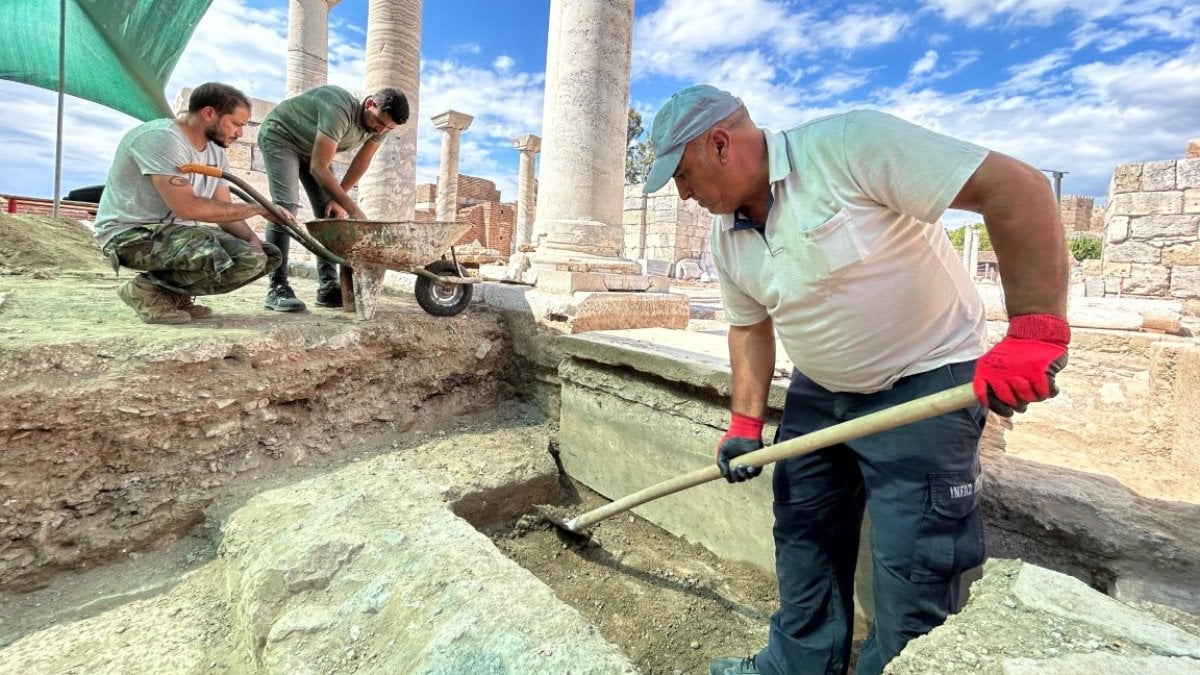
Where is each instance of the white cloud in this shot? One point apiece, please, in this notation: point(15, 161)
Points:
point(924, 64)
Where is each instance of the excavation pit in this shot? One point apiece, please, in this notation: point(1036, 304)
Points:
point(258, 493)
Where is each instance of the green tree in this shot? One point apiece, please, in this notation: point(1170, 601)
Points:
point(958, 235)
point(639, 154)
point(1085, 247)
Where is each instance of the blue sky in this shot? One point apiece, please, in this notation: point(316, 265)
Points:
point(1077, 87)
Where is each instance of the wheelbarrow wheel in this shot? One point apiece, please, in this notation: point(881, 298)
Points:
point(442, 299)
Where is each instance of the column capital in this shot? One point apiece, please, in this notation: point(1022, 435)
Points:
point(452, 119)
point(527, 143)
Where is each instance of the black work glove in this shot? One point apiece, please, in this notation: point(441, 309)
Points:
point(744, 435)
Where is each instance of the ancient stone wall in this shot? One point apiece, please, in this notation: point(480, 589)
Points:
point(1075, 212)
point(1152, 226)
point(491, 225)
point(663, 227)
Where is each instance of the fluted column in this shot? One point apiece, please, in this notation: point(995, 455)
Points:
point(308, 45)
point(528, 145)
point(584, 123)
point(388, 190)
point(453, 123)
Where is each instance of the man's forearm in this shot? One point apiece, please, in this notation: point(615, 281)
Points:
point(752, 360)
point(215, 211)
point(329, 183)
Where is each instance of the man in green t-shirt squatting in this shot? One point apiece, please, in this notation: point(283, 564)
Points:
point(298, 140)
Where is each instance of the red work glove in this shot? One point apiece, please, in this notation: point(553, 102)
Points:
point(1020, 369)
point(744, 435)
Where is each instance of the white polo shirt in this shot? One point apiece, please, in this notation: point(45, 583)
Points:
point(862, 286)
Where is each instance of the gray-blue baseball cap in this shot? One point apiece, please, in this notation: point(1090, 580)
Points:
point(685, 116)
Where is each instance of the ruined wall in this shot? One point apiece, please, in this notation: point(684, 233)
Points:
point(1075, 213)
point(661, 226)
point(491, 225)
point(1152, 226)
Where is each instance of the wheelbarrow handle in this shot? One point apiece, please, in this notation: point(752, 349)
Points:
point(281, 217)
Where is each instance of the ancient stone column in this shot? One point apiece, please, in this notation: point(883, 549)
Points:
point(584, 122)
point(968, 233)
point(527, 184)
point(308, 45)
point(453, 123)
point(388, 191)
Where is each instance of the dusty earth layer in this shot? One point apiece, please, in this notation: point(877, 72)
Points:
point(671, 606)
point(116, 434)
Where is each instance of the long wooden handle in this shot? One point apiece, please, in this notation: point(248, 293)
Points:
point(280, 217)
point(214, 171)
point(962, 396)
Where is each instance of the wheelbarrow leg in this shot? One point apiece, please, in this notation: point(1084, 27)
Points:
point(346, 279)
point(368, 279)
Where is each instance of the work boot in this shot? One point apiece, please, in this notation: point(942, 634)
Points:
point(188, 304)
point(283, 299)
point(329, 296)
point(152, 304)
point(733, 665)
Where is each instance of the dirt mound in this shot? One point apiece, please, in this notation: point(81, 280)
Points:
point(30, 243)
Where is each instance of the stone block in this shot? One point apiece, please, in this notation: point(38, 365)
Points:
point(610, 311)
point(1152, 280)
point(1185, 281)
point(1117, 228)
point(1165, 228)
point(1191, 201)
point(250, 133)
point(1132, 252)
point(256, 160)
point(1093, 287)
point(1146, 203)
point(1126, 178)
point(566, 282)
point(1181, 254)
point(1112, 269)
point(239, 156)
point(259, 109)
point(1187, 174)
point(1158, 176)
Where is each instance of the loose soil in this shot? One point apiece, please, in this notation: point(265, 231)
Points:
point(669, 605)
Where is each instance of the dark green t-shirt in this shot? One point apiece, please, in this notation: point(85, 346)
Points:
point(329, 110)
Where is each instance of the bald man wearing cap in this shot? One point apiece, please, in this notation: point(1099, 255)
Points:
point(826, 234)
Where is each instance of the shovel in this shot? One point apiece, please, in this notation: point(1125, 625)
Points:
point(957, 398)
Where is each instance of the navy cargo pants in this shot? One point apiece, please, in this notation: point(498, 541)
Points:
point(920, 483)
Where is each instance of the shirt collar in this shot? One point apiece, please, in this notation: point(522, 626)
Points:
point(779, 165)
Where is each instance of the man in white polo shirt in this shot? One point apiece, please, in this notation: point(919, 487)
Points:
point(826, 233)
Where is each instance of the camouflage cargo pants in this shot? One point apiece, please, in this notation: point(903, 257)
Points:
point(191, 259)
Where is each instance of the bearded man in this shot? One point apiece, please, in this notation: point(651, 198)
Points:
point(150, 213)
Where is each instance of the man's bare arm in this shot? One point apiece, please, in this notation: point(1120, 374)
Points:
point(177, 192)
point(752, 359)
point(324, 148)
point(238, 228)
point(1019, 212)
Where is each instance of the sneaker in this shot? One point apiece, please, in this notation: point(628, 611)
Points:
point(329, 296)
point(283, 299)
point(188, 304)
point(732, 665)
point(152, 304)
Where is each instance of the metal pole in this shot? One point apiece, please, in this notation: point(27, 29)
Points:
point(62, 69)
point(1058, 176)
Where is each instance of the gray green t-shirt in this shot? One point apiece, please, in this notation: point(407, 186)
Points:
point(156, 148)
point(329, 110)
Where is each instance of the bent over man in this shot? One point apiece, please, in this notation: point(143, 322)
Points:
point(826, 234)
point(298, 140)
point(149, 212)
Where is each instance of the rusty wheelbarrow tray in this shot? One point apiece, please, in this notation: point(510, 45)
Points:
point(367, 249)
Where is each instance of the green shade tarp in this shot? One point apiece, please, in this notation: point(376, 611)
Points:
point(119, 53)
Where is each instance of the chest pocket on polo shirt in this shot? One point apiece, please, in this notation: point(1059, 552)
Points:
point(838, 241)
